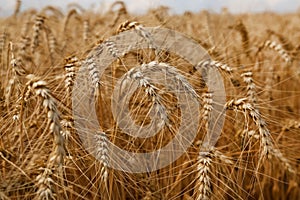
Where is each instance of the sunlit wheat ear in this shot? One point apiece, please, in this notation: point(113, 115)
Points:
point(204, 159)
point(102, 154)
point(286, 44)
point(94, 75)
point(150, 89)
point(207, 107)
point(67, 126)
point(204, 185)
point(139, 28)
point(291, 124)
point(251, 94)
point(39, 88)
point(171, 71)
point(206, 154)
point(17, 7)
point(71, 65)
point(216, 64)
point(127, 25)
point(38, 25)
point(44, 183)
point(266, 142)
point(278, 48)
point(241, 28)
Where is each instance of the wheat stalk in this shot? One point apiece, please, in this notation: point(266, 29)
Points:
point(17, 7)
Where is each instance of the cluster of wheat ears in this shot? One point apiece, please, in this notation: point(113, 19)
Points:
point(42, 156)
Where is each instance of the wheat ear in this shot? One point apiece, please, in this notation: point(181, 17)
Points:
point(86, 30)
point(241, 28)
point(213, 63)
point(139, 28)
point(39, 87)
point(38, 25)
point(278, 48)
point(44, 184)
point(102, 154)
point(204, 190)
point(251, 94)
point(71, 63)
point(268, 147)
point(51, 40)
point(286, 44)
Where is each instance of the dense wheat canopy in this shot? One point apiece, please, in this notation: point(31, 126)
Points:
point(47, 152)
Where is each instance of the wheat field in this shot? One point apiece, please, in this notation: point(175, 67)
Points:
point(42, 155)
